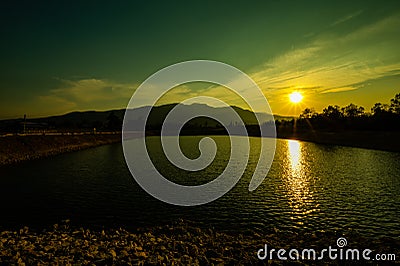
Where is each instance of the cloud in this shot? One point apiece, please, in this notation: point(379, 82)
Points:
point(86, 94)
point(89, 90)
point(339, 89)
point(346, 18)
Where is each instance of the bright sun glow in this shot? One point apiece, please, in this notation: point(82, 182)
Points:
point(295, 97)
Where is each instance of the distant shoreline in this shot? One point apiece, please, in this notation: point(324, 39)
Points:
point(18, 148)
point(376, 140)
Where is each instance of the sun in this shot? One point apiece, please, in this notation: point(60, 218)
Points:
point(295, 97)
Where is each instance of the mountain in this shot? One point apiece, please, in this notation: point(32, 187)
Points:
point(112, 119)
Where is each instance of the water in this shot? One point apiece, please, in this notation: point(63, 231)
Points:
point(310, 188)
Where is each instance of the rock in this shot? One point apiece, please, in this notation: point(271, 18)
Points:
point(113, 253)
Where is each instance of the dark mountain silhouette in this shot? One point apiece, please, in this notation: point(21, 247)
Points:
point(112, 119)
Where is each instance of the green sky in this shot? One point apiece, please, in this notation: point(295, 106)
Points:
point(61, 57)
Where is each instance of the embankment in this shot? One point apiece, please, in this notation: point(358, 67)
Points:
point(19, 148)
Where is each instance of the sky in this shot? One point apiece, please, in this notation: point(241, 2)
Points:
point(58, 57)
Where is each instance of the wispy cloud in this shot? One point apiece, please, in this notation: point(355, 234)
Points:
point(346, 18)
point(89, 90)
point(87, 94)
point(339, 89)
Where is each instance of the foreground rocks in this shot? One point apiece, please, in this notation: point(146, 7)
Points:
point(171, 245)
point(177, 244)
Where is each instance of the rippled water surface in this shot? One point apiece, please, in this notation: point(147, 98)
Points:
point(310, 187)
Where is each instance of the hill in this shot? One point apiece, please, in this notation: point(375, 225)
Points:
point(112, 119)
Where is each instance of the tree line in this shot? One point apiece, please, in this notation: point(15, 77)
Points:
point(382, 116)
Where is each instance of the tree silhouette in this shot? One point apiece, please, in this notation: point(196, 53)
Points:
point(352, 110)
point(395, 104)
point(332, 112)
point(379, 109)
point(351, 117)
point(308, 113)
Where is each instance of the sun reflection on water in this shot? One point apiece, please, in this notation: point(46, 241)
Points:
point(294, 153)
point(297, 182)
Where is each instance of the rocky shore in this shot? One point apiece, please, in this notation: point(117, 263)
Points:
point(180, 243)
point(19, 148)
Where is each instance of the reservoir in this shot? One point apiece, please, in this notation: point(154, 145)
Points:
point(309, 188)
